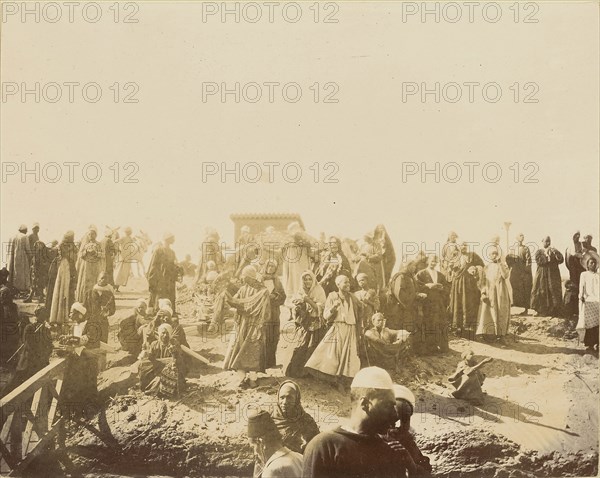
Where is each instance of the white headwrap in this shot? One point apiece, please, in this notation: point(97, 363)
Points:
point(166, 327)
point(372, 377)
point(403, 393)
point(78, 306)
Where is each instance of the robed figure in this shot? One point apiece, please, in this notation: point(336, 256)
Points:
point(546, 296)
point(19, 258)
point(521, 278)
point(163, 273)
point(464, 291)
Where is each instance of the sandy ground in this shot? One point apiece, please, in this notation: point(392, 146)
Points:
point(540, 416)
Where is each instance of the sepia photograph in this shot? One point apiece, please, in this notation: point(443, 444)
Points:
point(311, 239)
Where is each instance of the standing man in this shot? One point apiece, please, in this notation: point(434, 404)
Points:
point(19, 261)
point(163, 272)
point(33, 236)
point(127, 248)
point(41, 259)
point(340, 353)
point(521, 278)
point(496, 293)
point(450, 254)
point(435, 326)
point(109, 251)
point(546, 296)
point(464, 291)
point(355, 449)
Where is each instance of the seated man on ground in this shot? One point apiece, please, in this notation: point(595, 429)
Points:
point(131, 328)
point(161, 368)
point(384, 345)
point(468, 379)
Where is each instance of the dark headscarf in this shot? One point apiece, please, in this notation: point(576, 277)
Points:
point(298, 428)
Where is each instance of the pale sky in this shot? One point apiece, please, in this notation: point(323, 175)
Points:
point(369, 133)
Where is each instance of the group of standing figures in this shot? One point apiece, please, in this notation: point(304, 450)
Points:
point(61, 274)
point(350, 311)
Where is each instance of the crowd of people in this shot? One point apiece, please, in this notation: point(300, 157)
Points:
point(350, 311)
point(353, 319)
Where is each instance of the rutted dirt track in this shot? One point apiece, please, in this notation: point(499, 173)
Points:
point(540, 416)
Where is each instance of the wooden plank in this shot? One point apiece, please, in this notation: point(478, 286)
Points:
point(54, 404)
point(16, 435)
point(28, 388)
point(197, 356)
point(7, 456)
point(39, 447)
point(30, 415)
point(6, 428)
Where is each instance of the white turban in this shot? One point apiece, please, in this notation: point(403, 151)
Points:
point(403, 393)
point(162, 303)
point(373, 377)
point(166, 327)
point(339, 279)
point(78, 306)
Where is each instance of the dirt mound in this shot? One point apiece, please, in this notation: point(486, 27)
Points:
point(160, 437)
point(549, 326)
point(480, 453)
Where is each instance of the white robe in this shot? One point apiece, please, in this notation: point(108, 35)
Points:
point(19, 262)
point(295, 261)
point(589, 291)
point(127, 250)
point(494, 318)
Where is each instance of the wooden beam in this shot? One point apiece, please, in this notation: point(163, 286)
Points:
point(28, 388)
point(197, 356)
point(38, 448)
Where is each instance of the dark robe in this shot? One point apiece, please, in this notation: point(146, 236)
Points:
point(162, 275)
point(373, 254)
point(467, 382)
point(297, 428)
point(464, 292)
point(343, 454)
point(52, 273)
point(418, 462)
point(9, 325)
point(109, 252)
point(247, 350)
point(35, 355)
point(432, 332)
point(521, 278)
point(546, 296)
point(272, 327)
point(79, 393)
point(310, 327)
point(40, 265)
point(228, 280)
point(130, 335)
point(329, 267)
point(401, 311)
